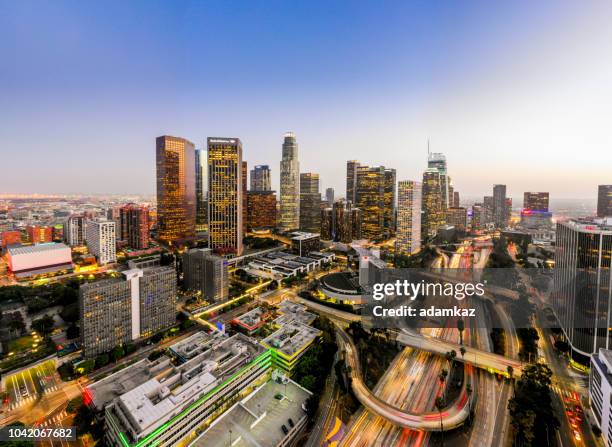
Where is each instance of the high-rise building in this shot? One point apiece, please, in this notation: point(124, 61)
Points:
point(457, 216)
point(433, 209)
point(134, 229)
point(351, 180)
point(600, 392)
point(389, 214)
point(341, 223)
point(501, 212)
point(456, 199)
point(582, 284)
point(370, 199)
point(39, 234)
point(201, 188)
point(11, 237)
point(118, 310)
point(327, 224)
point(329, 196)
point(74, 232)
point(310, 202)
point(604, 201)
point(101, 240)
point(478, 216)
point(176, 195)
point(114, 214)
point(225, 190)
point(245, 172)
point(489, 215)
point(451, 193)
point(535, 201)
point(261, 178)
point(437, 160)
point(206, 272)
point(261, 209)
point(289, 185)
point(408, 234)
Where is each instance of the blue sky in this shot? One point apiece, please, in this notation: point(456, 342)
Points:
point(512, 92)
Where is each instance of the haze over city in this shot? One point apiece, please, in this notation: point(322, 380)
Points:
point(516, 93)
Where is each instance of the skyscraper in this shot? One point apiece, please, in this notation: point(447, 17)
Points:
point(457, 217)
point(310, 202)
point(245, 171)
point(437, 160)
point(500, 211)
point(207, 273)
point(434, 212)
point(225, 190)
point(176, 196)
point(604, 201)
point(535, 201)
point(329, 196)
point(341, 223)
point(456, 199)
point(581, 292)
point(289, 185)
point(389, 205)
point(488, 210)
point(101, 240)
point(74, 232)
point(261, 209)
point(201, 178)
point(408, 234)
point(261, 178)
point(134, 225)
point(370, 199)
point(351, 180)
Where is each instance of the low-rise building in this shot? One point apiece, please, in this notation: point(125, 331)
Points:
point(280, 265)
point(251, 321)
point(600, 393)
point(32, 260)
point(206, 272)
point(302, 243)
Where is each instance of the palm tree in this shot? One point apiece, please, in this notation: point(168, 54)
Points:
point(462, 351)
point(442, 377)
point(439, 406)
point(461, 328)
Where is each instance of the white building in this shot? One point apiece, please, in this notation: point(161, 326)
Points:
point(408, 234)
point(600, 392)
point(31, 260)
point(101, 240)
point(74, 230)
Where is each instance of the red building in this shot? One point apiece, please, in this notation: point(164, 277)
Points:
point(134, 225)
point(38, 234)
point(10, 238)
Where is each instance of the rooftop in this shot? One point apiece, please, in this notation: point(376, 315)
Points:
point(292, 338)
point(38, 248)
point(303, 235)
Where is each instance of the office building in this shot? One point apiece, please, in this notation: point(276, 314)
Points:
point(33, 260)
point(456, 199)
point(433, 209)
point(74, 230)
point(134, 226)
point(535, 201)
point(604, 201)
point(437, 161)
point(206, 272)
point(310, 202)
point(101, 240)
point(451, 193)
point(57, 232)
point(600, 393)
point(39, 234)
point(581, 294)
point(201, 188)
point(11, 237)
point(370, 199)
point(389, 203)
point(161, 403)
point(478, 218)
point(289, 185)
point(341, 223)
point(488, 210)
point(261, 179)
point(408, 234)
point(303, 242)
point(114, 214)
point(280, 265)
point(329, 196)
point(351, 180)
point(118, 310)
point(225, 191)
point(176, 195)
point(245, 171)
point(501, 212)
point(327, 224)
point(261, 210)
point(457, 217)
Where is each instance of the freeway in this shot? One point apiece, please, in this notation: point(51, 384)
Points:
point(452, 416)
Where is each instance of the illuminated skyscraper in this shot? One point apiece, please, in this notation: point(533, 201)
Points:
point(341, 223)
point(261, 178)
point(310, 202)
point(176, 195)
point(501, 213)
point(604, 201)
point(201, 178)
point(434, 212)
point(535, 201)
point(457, 217)
point(351, 180)
point(370, 199)
point(408, 233)
point(437, 160)
point(289, 185)
point(134, 225)
point(245, 171)
point(101, 240)
point(261, 210)
point(389, 215)
point(225, 190)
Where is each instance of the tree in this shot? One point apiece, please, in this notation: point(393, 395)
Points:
point(102, 360)
point(117, 353)
point(442, 377)
point(461, 328)
point(72, 332)
point(440, 406)
point(450, 357)
point(462, 351)
point(43, 325)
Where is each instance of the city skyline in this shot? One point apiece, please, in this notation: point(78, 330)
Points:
point(485, 95)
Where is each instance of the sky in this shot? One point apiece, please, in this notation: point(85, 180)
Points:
point(514, 92)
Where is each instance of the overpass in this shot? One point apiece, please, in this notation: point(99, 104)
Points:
point(451, 417)
point(493, 363)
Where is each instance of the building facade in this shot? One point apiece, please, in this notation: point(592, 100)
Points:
point(437, 160)
point(604, 201)
point(535, 201)
point(433, 210)
point(457, 217)
point(370, 199)
point(201, 188)
point(408, 235)
point(176, 195)
point(329, 196)
point(225, 191)
point(261, 179)
point(74, 230)
point(501, 212)
point(289, 218)
point(389, 203)
point(206, 272)
point(600, 393)
point(261, 210)
point(351, 180)
point(101, 240)
point(134, 226)
point(310, 202)
point(39, 234)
